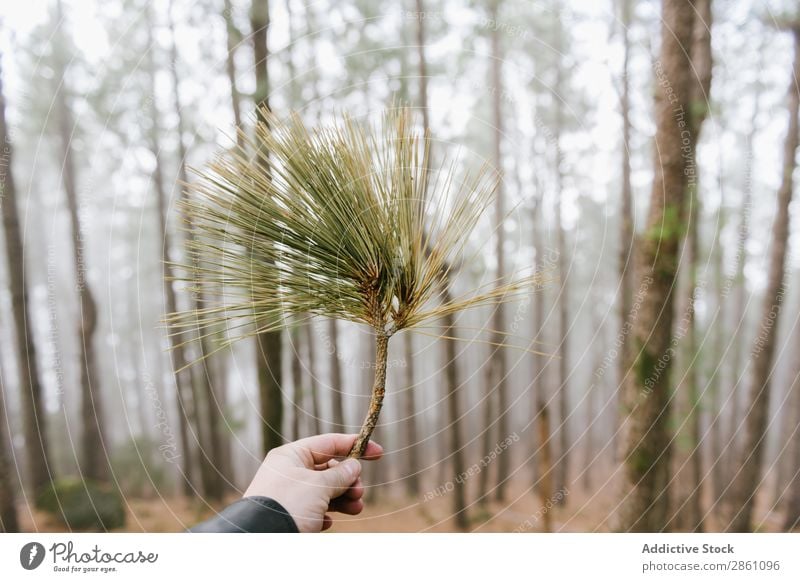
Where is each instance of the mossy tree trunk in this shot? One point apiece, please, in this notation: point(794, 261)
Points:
point(647, 390)
point(688, 514)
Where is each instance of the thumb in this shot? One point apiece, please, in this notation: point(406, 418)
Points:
point(338, 478)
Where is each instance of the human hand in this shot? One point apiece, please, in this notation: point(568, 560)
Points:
point(307, 480)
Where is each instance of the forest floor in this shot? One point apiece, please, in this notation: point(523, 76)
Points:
point(522, 511)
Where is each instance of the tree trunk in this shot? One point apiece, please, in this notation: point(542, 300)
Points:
point(183, 380)
point(455, 442)
point(689, 515)
point(94, 462)
point(422, 66)
point(313, 384)
point(233, 38)
point(205, 410)
point(496, 382)
point(792, 519)
point(297, 384)
point(749, 474)
point(545, 456)
point(627, 246)
point(269, 343)
point(647, 389)
point(337, 403)
point(30, 386)
point(564, 442)
point(539, 363)
point(412, 473)
point(8, 511)
point(740, 301)
point(410, 421)
point(590, 457)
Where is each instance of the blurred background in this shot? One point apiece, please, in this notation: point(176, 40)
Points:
point(108, 105)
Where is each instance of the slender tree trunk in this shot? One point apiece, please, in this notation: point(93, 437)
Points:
point(206, 412)
point(422, 65)
point(94, 463)
point(313, 384)
point(784, 427)
point(740, 301)
point(269, 343)
point(627, 241)
point(183, 379)
point(297, 385)
point(591, 417)
point(545, 456)
point(496, 382)
point(647, 390)
point(8, 511)
point(564, 442)
point(717, 350)
point(749, 474)
point(233, 38)
point(30, 386)
point(337, 403)
point(539, 360)
point(410, 421)
point(455, 442)
point(412, 479)
point(792, 519)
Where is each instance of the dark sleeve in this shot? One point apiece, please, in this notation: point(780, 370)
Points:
point(249, 515)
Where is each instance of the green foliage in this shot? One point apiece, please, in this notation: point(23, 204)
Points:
point(335, 221)
point(83, 505)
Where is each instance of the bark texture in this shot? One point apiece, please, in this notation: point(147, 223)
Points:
point(376, 398)
point(647, 390)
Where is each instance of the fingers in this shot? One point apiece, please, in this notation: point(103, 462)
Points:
point(348, 506)
point(327, 522)
point(325, 447)
point(355, 491)
point(340, 477)
point(374, 451)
